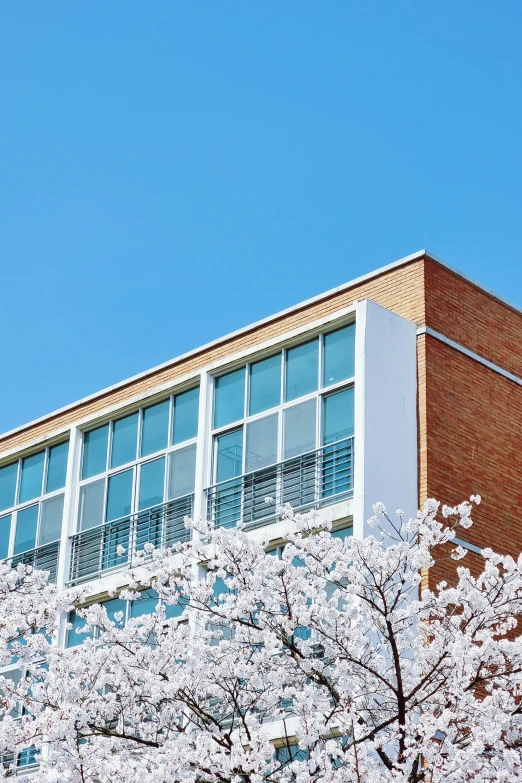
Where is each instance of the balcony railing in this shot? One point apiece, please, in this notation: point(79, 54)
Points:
point(310, 480)
point(98, 549)
point(43, 557)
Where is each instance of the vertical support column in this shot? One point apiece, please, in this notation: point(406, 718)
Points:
point(385, 414)
point(203, 445)
point(69, 505)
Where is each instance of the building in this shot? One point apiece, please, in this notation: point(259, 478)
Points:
point(401, 385)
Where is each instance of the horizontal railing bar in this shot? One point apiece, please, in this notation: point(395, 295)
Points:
point(42, 548)
point(315, 478)
point(275, 465)
point(133, 516)
point(95, 551)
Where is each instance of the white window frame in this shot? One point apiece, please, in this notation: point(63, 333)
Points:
point(319, 395)
point(135, 464)
point(38, 500)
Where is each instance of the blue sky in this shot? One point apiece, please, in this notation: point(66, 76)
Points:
point(173, 171)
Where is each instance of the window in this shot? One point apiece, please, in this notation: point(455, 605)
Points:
point(133, 466)
point(302, 370)
point(229, 398)
point(265, 384)
point(275, 410)
point(146, 604)
point(13, 763)
point(31, 500)
point(289, 753)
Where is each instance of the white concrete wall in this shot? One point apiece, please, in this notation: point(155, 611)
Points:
point(385, 414)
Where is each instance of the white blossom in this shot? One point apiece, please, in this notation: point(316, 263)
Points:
point(330, 647)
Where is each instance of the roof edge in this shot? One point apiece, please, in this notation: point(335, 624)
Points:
point(250, 327)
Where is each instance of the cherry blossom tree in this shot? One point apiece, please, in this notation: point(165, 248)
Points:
point(321, 661)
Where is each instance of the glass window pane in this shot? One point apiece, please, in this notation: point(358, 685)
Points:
point(152, 479)
point(73, 637)
point(51, 520)
point(229, 455)
point(155, 428)
point(5, 530)
point(261, 443)
point(265, 384)
point(91, 504)
point(291, 753)
point(112, 608)
point(8, 477)
point(300, 429)
point(182, 472)
point(219, 588)
point(302, 364)
point(146, 604)
point(26, 521)
point(229, 398)
point(119, 495)
point(57, 467)
point(174, 610)
point(339, 355)
point(338, 416)
point(95, 451)
point(124, 440)
point(186, 411)
point(343, 532)
point(32, 477)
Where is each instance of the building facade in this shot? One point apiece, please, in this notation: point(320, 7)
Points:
point(401, 385)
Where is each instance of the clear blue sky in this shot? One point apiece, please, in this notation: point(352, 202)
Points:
point(173, 171)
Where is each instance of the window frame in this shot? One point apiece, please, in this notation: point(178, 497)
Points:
point(319, 395)
point(15, 509)
point(127, 616)
point(136, 464)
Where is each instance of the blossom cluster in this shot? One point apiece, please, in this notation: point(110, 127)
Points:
point(322, 661)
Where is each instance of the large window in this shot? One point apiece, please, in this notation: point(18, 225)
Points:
point(139, 461)
point(120, 612)
point(284, 406)
point(31, 500)
point(294, 409)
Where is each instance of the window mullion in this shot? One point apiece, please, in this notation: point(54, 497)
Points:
point(38, 524)
point(18, 482)
point(246, 409)
point(139, 434)
point(134, 494)
point(45, 471)
point(321, 362)
point(283, 375)
point(12, 533)
point(109, 447)
point(170, 438)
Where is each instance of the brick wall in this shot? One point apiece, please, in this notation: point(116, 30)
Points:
point(465, 313)
point(473, 417)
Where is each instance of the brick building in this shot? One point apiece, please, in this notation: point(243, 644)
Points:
point(403, 384)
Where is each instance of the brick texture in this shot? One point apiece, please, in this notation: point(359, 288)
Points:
point(469, 415)
point(472, 420)
point(460, 310)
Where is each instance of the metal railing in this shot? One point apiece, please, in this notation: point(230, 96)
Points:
point(43, 557)
point(310, 480)
point(116, 543)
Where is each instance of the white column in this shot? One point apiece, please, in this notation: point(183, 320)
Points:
point(385, 414)
point(203, 445)
point(69, 505)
